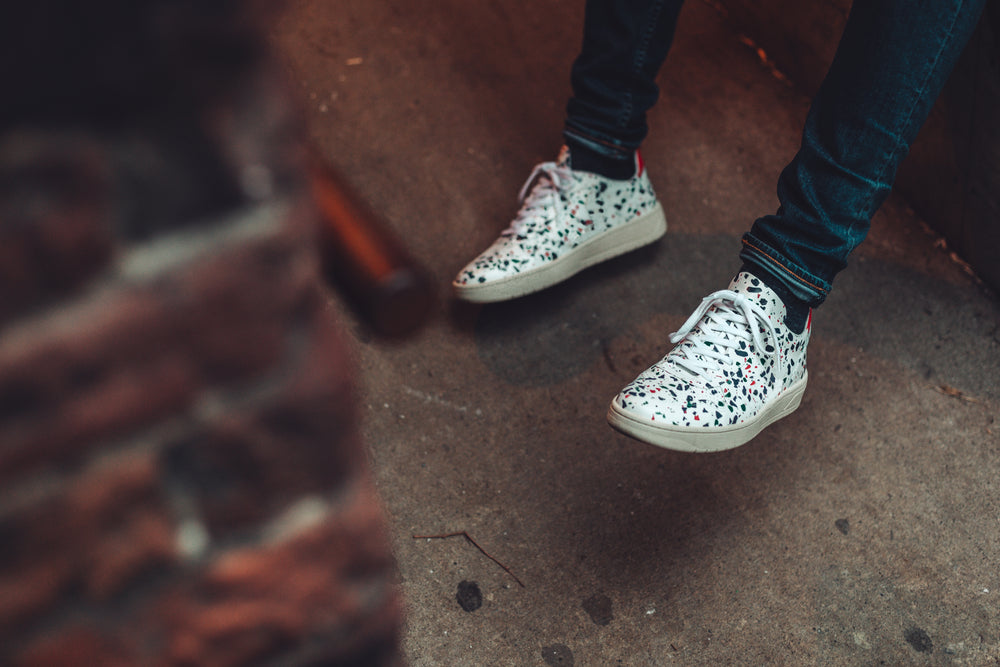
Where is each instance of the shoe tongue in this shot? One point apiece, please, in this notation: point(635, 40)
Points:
point(754, 289)
point(564, 159)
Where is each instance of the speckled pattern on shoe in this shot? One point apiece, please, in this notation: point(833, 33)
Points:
point(736, 369)
point(568, 220)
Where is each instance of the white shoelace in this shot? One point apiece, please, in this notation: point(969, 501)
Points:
point(551, 177)
point(736, 318)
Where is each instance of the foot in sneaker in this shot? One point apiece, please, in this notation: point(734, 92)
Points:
point(736, 369)
point(568, 220)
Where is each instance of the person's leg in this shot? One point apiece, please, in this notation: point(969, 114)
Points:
point(596, 201)
point(892, 61)
point(740, 360)
point(614, 81)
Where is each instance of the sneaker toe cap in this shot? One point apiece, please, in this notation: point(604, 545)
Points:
point(640, 407)
point(479, 273)
point(492, 267)
point(695, 408)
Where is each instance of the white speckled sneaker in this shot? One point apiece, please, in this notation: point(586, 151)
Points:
point(735, 370)
point(568, 220)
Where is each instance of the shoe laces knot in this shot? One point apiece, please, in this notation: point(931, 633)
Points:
point(541, 191)
point(729, 319)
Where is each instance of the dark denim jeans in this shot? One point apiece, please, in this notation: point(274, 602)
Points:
point(890, 66)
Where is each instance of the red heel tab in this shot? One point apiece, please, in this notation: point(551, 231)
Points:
point(639, 164)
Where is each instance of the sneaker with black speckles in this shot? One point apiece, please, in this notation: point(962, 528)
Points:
point(736, 369)
point(568, 220)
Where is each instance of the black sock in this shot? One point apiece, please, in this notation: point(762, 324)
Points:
point(584, 159)
point(796, 310)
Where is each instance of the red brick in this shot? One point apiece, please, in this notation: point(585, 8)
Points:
point(31, 590)
point(54, 225)
point(235, 309)
point(238, 633)
point(330, 583)
point(131, 356)
point(252, 460)
point(97, 536)
point(78, 645)
point(143, 542)
point(76, 379)
point(121, 524)
point(112, 488)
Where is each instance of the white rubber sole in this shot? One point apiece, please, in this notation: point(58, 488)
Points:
point(632, 235)
point(700, 439)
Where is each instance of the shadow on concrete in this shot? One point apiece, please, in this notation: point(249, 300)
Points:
point(920, 323)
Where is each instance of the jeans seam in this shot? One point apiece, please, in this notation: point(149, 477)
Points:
point(781, 265)
point(640, 58)
point(909, 119)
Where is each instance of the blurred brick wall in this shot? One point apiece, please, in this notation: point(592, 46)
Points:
point(181, 476)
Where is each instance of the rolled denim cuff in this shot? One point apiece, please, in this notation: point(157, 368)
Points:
point(802, 284)
point(605, 146)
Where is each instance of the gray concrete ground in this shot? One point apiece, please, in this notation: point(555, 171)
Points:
point(861, 530)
